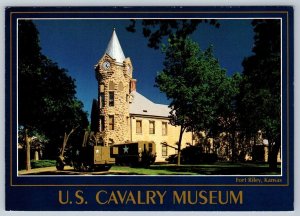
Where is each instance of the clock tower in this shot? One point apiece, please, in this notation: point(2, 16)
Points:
point(114, 76)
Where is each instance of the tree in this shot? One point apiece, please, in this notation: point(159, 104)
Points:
point(228, 117)
point(95, 116)
point(260, 97)
point(194, 82)
point(156, 29)
point(47, 104)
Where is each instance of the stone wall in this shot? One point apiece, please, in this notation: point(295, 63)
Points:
point(115, 79)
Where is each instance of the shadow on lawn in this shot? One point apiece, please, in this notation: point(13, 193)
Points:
point(221, 169)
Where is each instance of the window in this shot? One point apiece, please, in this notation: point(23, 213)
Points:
point(111, 86)
point(111, 122)
point(138, 126)
point(150, 147)
point(151, 127)
point(102, 100)
point(101, 123)
point(111, 98)
point(164, 128)
point(111, 94)
point(164, 150)
point(101, 96)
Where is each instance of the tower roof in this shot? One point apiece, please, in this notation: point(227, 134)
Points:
point(114, 48)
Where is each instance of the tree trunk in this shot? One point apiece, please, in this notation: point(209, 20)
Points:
point(64, 145)
point(27, 141)
point(66, 137)
point(273, 152)
point(179, 145)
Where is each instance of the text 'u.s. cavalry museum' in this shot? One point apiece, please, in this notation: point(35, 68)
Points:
point(127, 116)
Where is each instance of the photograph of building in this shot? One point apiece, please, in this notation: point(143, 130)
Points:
point(186, 100)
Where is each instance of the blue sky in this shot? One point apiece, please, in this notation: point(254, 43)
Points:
point(77, 45)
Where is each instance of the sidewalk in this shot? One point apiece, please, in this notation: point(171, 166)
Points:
point(43, 169)
point(68, 170)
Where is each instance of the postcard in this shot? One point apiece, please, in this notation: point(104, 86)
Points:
point(149, 108)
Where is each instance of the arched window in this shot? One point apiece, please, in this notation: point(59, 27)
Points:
point(111, 86)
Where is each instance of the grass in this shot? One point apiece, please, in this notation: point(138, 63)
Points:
point(147, 171)
point(42, 163)
point(220, 168)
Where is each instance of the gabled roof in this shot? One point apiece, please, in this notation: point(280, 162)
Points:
point(142, 106)
point(114, 48)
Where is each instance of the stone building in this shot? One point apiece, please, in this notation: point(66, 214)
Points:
point(124, 114)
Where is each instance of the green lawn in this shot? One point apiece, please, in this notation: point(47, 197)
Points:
point(42, 163)
point(148, 171)
point(220, 168)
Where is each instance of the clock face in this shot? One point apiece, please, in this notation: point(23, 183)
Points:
point(106, 65)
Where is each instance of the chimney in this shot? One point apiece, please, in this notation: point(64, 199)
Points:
point(133, 85)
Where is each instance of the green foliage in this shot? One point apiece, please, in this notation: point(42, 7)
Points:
point(201, 94)
point(156, 29)
point(147, 158)
point(260, 89)
point(47, 101)
point(38, 140)
point(195, 155)
point(196, 85)
point(260, 94)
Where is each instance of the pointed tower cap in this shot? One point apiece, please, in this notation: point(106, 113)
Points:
point(114, 48)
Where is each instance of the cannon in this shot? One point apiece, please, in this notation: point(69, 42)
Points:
point(90, 156)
